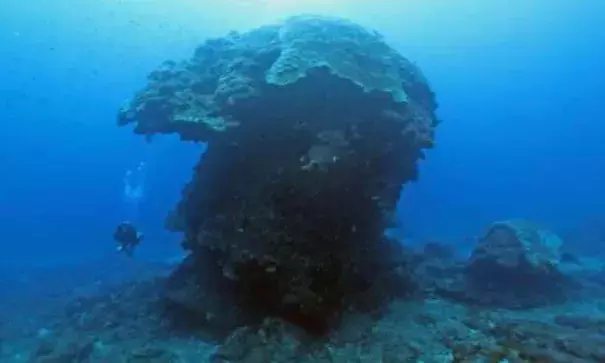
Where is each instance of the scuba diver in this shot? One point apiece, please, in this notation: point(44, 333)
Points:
point(126, 234)
point(127, 237)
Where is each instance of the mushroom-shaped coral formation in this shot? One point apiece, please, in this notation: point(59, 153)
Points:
point(313, 127)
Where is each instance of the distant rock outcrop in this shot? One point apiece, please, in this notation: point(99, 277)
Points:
point(313, 127)
point(517, 263)
point(513, 252)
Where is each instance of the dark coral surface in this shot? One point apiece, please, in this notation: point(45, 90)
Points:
point(313, 127)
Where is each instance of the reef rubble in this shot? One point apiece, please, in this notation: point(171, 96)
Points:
point(131, 322)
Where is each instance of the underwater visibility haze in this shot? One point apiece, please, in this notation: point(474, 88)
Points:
point(302, 181)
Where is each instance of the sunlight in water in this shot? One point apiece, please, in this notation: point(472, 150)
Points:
point(286, 7)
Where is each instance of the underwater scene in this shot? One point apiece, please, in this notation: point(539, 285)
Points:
point(331, 181)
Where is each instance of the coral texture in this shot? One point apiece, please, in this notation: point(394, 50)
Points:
point(313, 127)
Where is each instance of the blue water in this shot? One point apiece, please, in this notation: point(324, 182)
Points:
point(520, 89)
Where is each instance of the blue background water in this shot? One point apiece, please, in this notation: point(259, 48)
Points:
point(520, 89)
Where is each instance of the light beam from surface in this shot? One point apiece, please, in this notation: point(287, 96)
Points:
point(271, 9)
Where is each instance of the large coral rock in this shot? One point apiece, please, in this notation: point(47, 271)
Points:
point(313, 127)
point(516, 259)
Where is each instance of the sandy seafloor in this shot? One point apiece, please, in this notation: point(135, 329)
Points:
point(102, 313)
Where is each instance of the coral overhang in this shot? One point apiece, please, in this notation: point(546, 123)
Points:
point(313, 126)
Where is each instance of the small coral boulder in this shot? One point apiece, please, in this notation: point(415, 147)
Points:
point(516, 259)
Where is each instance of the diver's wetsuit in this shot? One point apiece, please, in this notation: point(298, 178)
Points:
point(127, 237)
